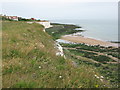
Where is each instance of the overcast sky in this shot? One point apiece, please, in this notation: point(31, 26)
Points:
point(61, 9)
point(59, 0)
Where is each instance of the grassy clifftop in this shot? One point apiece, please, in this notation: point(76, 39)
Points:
point(29, 61)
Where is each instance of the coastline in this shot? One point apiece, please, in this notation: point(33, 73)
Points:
point(72, 33)
point(88, 40)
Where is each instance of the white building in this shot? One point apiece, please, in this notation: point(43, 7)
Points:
point(12, 18)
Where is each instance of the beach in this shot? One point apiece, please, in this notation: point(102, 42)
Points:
point(89, 41)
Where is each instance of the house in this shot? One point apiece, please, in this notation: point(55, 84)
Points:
point(12, 18)
point(1, 15)
point(32, 18)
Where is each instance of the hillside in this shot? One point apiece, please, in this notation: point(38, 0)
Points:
point(29, 61)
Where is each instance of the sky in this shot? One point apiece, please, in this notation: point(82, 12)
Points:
point(59, 0)
point(61, 9)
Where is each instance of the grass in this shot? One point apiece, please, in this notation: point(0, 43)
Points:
point(100, 49)
point(96, 48)
point(109, 71)
point(24, 84)
point(30, 61)
point(99, 58)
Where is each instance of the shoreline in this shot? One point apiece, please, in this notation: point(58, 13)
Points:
point(77, 37)
point(88, 40)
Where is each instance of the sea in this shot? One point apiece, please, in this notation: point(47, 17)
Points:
point(106, 30)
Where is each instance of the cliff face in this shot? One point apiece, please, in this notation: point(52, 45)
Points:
point(46, 24)
point(59, 49)
point(29, 61)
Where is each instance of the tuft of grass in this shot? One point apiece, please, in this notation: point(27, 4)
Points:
point(11, 69)
point(24, 84)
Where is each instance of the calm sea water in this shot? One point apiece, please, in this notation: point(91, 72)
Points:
point(106, 30)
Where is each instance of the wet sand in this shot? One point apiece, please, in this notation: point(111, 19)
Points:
point(89, 41)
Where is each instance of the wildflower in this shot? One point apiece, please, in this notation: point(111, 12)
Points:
point(39, 66)
point(24, 34)
point(102, 77)
point(17, 43)
point(60, 76)
point(97, 76)
point(96, 86)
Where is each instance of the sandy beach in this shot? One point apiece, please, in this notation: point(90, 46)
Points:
point(89, 41)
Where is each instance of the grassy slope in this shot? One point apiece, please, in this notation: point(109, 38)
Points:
point(109, 71)
point(29, 61)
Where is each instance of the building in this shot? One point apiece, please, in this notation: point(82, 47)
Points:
point(12, 18)
point(33, 19)
point(1, 15)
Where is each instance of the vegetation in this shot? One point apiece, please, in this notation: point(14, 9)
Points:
point(99, 58)
point(3, 18)
point(30, 61)
point(106, 50)
point(96, 48)
point(62, 29)
point(104, 63)
point(95, 56)
point(24, 19)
